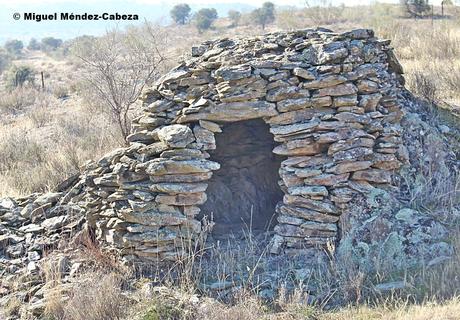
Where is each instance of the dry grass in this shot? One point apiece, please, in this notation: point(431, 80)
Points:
point(97, 290)
point(16, 101)
point(430, 293)
point(49, 143)
point(97, 297)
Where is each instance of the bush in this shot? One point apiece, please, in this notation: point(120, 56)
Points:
point(180, 13)
point(416, 8)
point(50, 43)
point(33, 44)
point(128, 59)
point(19, 76)
point(5, 60)
point(60, 91)
point(235, 17)
point(264, 15)
point(14, 46)
point(424, 86)
point(204, 18)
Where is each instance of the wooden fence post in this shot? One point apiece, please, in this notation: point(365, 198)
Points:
point(43, 81)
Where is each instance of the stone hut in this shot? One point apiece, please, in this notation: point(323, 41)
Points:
point(278, 132)
point(308, 136)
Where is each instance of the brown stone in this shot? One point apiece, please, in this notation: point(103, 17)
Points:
point(307, 214)
point(290, 179)
point(324, 81)
point(306, 173)
point(175, 188)
point(372, 175)
point(189, 199)
point(157, 168)
point(287, 105)
point(369, 102)
point(350, 166)
point(320, 206)
point(343, 89)
point(293, 117)
point(294, 128)
point(312, 149)
point(343, 101)
point(234, 111)
point(327, 179)
point(282, 93)
point(318, 102)
point(191, 177)
point(308, 191)
point(297, 231)
point(303, 73)
point(352, 154)
point(211, 126)
point(342, 145)
point(385, 161)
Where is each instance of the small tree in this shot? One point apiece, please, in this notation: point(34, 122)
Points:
point(5, 60)
point(118, 66)
point(14, 46)
point(33, 44)
point(50, 43)
point(180, 13)
point(445, 3)
point(18, 76)
point(416, 8)
point(264, 15)
point(235, 17)
point(204, 18)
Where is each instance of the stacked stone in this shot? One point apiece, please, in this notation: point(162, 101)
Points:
point(330, 99)
point(331, 102)
point(142, 199)
point(32, 225)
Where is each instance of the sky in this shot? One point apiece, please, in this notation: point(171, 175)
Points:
point(152, 10)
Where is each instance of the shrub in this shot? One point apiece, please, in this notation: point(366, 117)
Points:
point(180, 13)
point(424, 86)
point(5, 60)
point(119, 65)
point(18, 76)
point(60, 91)
point(14, 46)
point(265, 15)
point(416, 8)
point(235, 17)
point(204, 18)
point(50, 43)
point(33, 44)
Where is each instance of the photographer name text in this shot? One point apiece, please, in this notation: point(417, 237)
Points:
point(66, 16)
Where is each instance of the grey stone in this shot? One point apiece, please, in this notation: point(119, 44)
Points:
point(176, 135)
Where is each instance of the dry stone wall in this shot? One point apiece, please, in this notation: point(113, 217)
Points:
point(332, 102)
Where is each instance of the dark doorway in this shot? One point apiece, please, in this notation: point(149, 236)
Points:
point(242, 195)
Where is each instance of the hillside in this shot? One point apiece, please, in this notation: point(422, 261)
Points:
point(365, 190)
